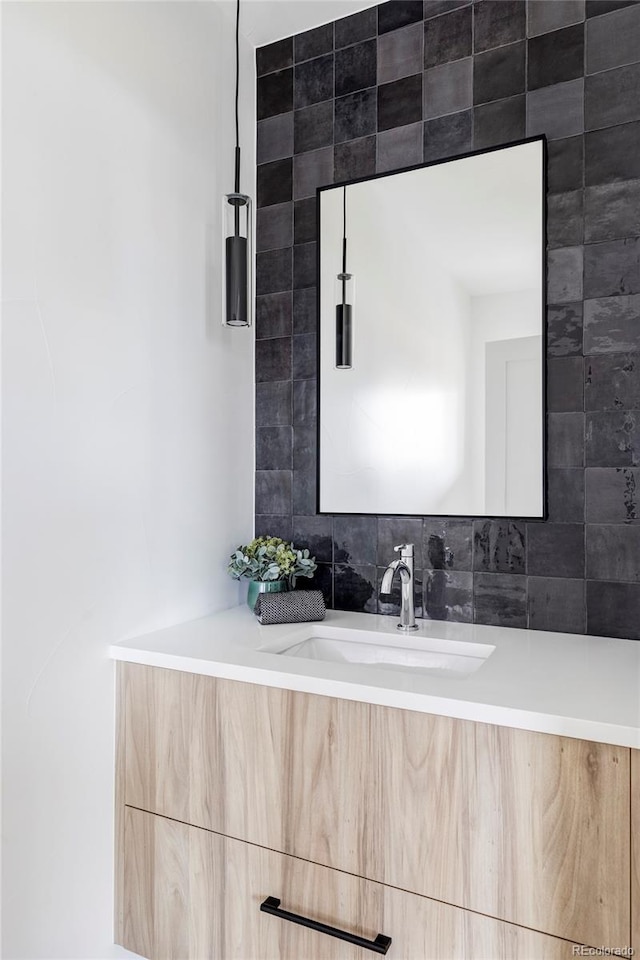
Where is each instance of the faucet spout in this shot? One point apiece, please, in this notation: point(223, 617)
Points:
point(404, 568)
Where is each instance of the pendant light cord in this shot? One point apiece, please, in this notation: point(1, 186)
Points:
point(237, 179)
point(344, 230)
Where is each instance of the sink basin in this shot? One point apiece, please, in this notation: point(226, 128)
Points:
point(414, 653)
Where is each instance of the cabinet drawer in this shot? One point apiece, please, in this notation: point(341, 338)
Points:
point(528, 828)
point(190, 894)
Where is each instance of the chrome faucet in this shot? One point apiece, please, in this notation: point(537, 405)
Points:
point(403, 566)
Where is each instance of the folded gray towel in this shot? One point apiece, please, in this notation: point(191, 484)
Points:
point(295, 606)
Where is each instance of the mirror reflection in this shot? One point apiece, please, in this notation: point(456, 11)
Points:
point(431, 346)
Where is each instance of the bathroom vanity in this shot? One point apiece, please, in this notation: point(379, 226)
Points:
point(272, 802)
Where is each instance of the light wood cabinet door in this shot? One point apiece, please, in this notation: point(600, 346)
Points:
point(194, 895)
point(635, 850)
point(525, 827)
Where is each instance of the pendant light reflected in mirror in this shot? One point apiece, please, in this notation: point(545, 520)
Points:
point(236, 233)
point(344, 306)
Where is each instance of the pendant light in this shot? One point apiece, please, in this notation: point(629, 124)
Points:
point(236, 226)
point(344, 297)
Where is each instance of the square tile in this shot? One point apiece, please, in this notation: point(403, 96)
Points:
point(565, 440)
point(398, 13)
point(274, 226)
point(564, 330)
point(496, 22)
point(304, 265)
point(555, 550)
point(400, 102)
point(433, 8)
point(557, 111)
point(312, 170)
point(274, 56)
point(500, 598)
point(314, 534)
point(273, 362)
point(613, 154)
point(613, 609)
point(612, 97)
point(274, 182)
point(612, 268)
point(270, 526)
point(447, 544)
point(448, 37)
point(554, 604)
point(612, 382)
point(359, 26)
point(304, 400)
point(275, 138)
point(543, 16)
point(499, 122)
point(612, 210)
point(565, 494)
point(594, 8)
point(395, 530)
point(305, 310)
point(355, 588)
point(613, 552)
point(305, 446)
point(304, 220)
point(273, 492)
point(274, 448)
point(612, 495)
point(565, 385)
point(304, 492)
point(305, 359)
point(313, 43)
point(448, 88)
point(273, 271)
point(565, 219)
point(614, 40)
point(313, 81)
point(555, 57)
point(273, 315)
point(565, 164)
point(355, 539)
point(564, 274)
point(322, 580)
point(399, 147)
point(612, 439)
point(275, 93)
point(273, 400)
point(612, 325)
point(498, 546)
point(313, 127)
point(448, 136)
point(356, 115)
point(499, 73)
point(400, 53)
point(356, 158)
point(448, 595)
point(356, 68)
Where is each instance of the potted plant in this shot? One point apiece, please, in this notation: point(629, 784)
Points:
point(270, 565)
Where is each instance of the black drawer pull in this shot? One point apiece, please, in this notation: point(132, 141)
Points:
point(272, 905)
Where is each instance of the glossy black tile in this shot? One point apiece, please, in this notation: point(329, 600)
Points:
point(612, 97)
point(556, 604)
point(612, 382)
point(565, 384)
point(499, 73)
point(565, 219)
point(305, 310)
point(274, 56)
point(274, 448)
point(555, 550)
point(557, 110)
point(448, 595)
point(304, 220)
point(322, 579)
point(612, 495)
point(612, 268)
point(274, 315)
point(273, 400)
point(612, 210)
point(275, 93)
point(270, 526)
point(500, 599)
point(304, 265)
point(398, 13)
point(499, 122)
point(400, 53)
point(564, 330)
point(565, 164)
point(612, 325)
point(355, 115)
point(313, 43)
point(273, 492)
point(613, 40)
point(305, 362)
point(612, 439)
point(316, 535)
point(399, 147)
point(613, 154)
point(274, 227)
point(613, 552)
point(304, 447)
point(273, 362)
point(355, 588)
point(448, 136)
point(355, 540)
point(433, 8)
point(304, 491)
point(498, 546)
point(496, 22)
point(448, 88)
point(274, 182)
point(275, 138)
point(613, 609)
point(565, 494)
point(273, 271)
point(359, 26)
point(595, 8)
point(400, 102)
point(565, 440)
point(448, 37)
point(313, 81)
point(555, 57)
point(396, 530)
point(304, 400)
point(312, 170)
point(447, 544)
point(356, 158)
point(565, 274)
point(544, 17)
point(313, 127)
point(356, 68)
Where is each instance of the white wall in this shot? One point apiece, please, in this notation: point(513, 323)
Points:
point(127, 421)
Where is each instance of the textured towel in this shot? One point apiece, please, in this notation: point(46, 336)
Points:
point(295, 606)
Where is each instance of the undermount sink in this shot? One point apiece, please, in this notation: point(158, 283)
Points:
point(415, 653)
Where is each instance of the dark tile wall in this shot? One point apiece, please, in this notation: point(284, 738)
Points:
point(404, 82)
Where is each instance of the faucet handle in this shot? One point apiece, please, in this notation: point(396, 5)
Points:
point(404, 549)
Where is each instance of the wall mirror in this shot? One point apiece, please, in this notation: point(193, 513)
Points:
point(431, 338)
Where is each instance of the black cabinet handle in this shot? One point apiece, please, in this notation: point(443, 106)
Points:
point(272, 905)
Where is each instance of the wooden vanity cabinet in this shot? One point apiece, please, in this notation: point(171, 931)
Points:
point(458, 834)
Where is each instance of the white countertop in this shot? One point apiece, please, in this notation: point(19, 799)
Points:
point(572, 685)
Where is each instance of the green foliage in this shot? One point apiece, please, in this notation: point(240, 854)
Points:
point(270, 558)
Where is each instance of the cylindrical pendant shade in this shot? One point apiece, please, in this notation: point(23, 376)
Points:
point(344, 313)
point(237, 287)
